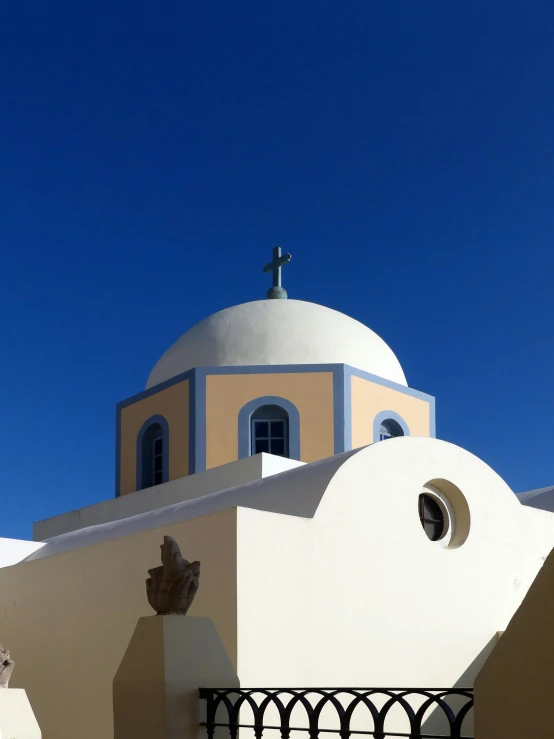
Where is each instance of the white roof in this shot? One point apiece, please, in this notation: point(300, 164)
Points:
point(296, 492)
point(542, 498)
point(278, 332)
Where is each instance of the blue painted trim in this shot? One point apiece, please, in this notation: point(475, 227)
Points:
point(347, 407)
point(342, 423)
point(385, 416)
point(192, 423)
point(274, 369)
point(199, 458)
point(117, 452)
point(388, 383)
point(342, 403)
point(432, 419)
point(156, 389)
point(145, 426)
point(244, 420)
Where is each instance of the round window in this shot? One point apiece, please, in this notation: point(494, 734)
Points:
point(432, 517)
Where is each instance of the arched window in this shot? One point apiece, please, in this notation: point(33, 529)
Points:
point(153, 453)
point(270, 431)
point(390, 428)
point(269, 424)
point(388, 424)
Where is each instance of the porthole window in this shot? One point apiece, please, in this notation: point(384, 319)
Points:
point(443, 513)
point(432, 517)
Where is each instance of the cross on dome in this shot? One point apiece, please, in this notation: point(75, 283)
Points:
point(277, 291)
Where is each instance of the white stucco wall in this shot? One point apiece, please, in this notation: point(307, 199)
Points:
point(337, 584)
point(226, 476)
point(13, 551)
point(359, 596)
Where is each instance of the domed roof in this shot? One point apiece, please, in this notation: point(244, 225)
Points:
point(267, 332)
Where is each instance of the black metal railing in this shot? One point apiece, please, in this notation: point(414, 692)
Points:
point(376, 712)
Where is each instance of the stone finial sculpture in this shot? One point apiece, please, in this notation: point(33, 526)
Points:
point(6, 667)
point(171, 588)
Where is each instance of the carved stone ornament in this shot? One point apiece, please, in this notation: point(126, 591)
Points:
point(171, 588)
point(6, 667)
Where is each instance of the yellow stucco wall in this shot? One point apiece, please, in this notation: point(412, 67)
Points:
point(311, 393)
point(369, 399)
point(173, 404)
point(513, 691)
point(69, 618)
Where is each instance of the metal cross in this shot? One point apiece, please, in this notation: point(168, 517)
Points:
point(277, 291)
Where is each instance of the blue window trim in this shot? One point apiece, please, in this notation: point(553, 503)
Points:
point(385, 416)
point(342, 402)
point(245, 424)
point(143, 429)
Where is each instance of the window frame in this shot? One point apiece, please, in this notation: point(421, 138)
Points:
point(155, 457)
point(245, 425)
point(142, 449)
point(387, 426)
point(449, 518)
point(442, 522)
point(382, 418)
point(269, 420)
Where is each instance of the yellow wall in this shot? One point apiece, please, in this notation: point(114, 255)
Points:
point(369, 399)
point(69, 618)
point(513, 691)
point(173, 404)
point(311, 393)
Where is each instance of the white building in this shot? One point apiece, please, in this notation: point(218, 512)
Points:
point(341, 543)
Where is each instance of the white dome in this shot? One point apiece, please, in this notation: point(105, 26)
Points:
point(267, 332)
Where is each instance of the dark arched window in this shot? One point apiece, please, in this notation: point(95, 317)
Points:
point(153, 456)
point(390, 428)
point(270, 431)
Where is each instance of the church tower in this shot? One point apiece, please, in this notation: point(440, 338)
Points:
point(284, 377)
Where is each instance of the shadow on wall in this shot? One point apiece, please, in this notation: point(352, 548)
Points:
point(437, 722)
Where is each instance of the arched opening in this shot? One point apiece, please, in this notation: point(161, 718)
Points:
point(390, 428)
point(269, 431)
point(153, 452)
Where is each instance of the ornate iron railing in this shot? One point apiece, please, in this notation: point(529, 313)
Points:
point(376, 712)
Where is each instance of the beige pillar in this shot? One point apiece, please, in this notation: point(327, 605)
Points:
point(17, 720)
point(155, 690)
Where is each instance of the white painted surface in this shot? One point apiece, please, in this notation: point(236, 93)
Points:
point(296, 492)
point(337, 583)
point(267, 332)
point(542, 498)
point(229, 475)
point(359, 596)
point(17, 720)
point(13, 551)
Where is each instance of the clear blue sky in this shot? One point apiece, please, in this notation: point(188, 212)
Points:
point(153, 153)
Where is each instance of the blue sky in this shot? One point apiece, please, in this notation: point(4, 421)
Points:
point(152, 154)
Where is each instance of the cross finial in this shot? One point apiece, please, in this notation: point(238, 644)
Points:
point(277, 291)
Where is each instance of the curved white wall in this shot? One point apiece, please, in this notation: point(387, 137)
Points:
point(358, 595)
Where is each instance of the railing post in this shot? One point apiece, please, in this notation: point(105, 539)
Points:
point(207, 694)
